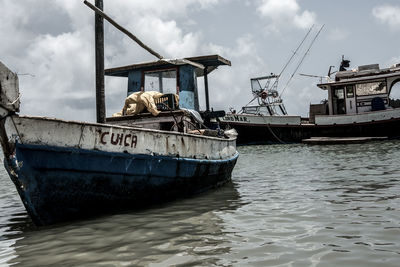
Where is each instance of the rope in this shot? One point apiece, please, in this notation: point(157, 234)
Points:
point(16, 129)
point(269, 128)
point(177, 123)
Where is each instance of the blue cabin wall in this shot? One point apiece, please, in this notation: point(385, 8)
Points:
point(134, 81)
point(187, 82)
point(188, 94)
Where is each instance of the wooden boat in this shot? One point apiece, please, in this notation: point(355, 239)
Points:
point(358, 105)
point(65, 170)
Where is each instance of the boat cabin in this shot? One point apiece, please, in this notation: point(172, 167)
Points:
point(178, 76)
point(365, 89)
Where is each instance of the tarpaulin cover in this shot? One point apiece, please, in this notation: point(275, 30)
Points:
point(139, 101)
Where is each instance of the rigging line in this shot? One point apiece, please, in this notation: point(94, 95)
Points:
point(302, 59)
point(297, 49)
point(287, 63)
point(251, 101)
point(291, 58)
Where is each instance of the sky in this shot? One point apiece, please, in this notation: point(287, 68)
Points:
point(50, 44)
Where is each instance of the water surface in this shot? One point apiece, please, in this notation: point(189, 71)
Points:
point(287, 205)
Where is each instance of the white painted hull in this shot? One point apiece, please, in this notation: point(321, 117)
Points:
point(119, 139)
point(260, 119)
point(367, 117)
point(249, 119)
point(253, 129)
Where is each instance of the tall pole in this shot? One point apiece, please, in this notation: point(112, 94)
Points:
point(99, 47)
point(206, 89)
point(119, 27)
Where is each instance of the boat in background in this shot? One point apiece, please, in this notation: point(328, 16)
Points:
point(358, 105)
point(65, 170)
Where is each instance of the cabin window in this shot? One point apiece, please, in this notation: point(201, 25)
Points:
point(373, 88)
point(338, 101)
point(339, 93)
point(251, 110)
point(161, 81)
point(350, 91)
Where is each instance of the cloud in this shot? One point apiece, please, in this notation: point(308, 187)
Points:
point(230, 86)
point(168, 37)
point(387, 14)
point(59, 51)
point(54, 41)
point(337, 34)
point(282, 12)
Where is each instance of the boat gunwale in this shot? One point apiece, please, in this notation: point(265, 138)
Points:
point(43, 118)
point(312, 124)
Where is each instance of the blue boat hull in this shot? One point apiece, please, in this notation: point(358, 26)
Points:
point(60, 184)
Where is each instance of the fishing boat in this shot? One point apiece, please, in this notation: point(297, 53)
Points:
point(65, 170)
point(358, 104)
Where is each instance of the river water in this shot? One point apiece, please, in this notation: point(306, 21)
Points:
point(287, 205)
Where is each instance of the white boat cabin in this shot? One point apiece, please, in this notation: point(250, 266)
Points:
point(362, 90)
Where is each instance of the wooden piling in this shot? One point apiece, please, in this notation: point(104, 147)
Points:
point(99, 47)
point(206, 89)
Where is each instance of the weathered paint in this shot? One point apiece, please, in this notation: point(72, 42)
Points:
point(188, 87)
point(65, 169)
point(9, 91)
point(111, 138)
point(134, 82)
point(63, 183)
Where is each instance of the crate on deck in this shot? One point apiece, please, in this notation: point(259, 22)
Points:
point(166, 102)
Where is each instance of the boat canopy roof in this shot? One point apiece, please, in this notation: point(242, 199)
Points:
point(361, 75)
point(209, 63)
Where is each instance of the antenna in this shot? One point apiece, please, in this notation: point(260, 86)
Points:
point(314, 76)
point(302, 59)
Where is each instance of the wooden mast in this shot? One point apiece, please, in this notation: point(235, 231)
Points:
point(99, 47)
point(100, 13)
point(206, 89)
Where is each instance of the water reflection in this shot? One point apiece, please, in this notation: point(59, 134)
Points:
point(187, 231)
